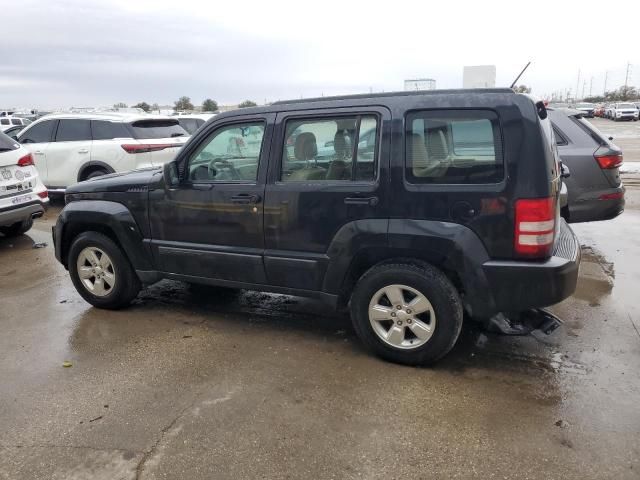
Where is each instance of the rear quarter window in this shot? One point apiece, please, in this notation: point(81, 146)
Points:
point(160, 128)
point(453, 147)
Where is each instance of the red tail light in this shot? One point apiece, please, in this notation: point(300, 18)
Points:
point(535, 227)
point(147, 147)
point(611, 196)
point(44, 194)
point(608, 162)
point(25, 161)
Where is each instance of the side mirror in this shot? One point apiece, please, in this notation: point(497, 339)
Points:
point(171, 175)
point(610, 138)
point(564, 171)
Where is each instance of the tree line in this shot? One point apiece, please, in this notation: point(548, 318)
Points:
point(184, 104)
point(620, 94)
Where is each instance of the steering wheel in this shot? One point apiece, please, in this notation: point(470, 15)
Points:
point(218, 164)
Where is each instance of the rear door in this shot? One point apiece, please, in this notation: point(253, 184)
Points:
point(69, 151)
point(328, 174)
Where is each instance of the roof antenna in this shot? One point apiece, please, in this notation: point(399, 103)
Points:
point(518, 77)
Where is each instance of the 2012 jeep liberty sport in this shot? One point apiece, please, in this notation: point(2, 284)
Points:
point(410, 208)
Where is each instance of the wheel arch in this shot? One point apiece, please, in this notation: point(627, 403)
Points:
point(92, 165)
point(109, 218)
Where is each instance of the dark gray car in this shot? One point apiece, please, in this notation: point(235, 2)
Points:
point(594, 185)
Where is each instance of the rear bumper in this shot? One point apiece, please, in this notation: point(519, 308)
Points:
point(9, 216)
point(594, 209)
point(519, 285)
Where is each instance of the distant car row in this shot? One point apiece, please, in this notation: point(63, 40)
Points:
point(613, 111)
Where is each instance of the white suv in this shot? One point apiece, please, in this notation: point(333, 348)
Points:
point(8, 122)
point(23, 197)
point(70, 148)
point(624, 111)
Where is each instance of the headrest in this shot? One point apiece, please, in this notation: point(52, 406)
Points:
point(340, 145)
point(306, 147)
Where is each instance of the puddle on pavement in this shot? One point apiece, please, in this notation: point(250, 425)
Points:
point(597, 277)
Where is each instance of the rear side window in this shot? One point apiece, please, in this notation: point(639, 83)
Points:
point(16, 121)
point(330, 149)
point(103, 130)
point(73, 130)
point(150, 129)
point(38, 133)
point(190, 124)
point(4, 121)
point(453, 147)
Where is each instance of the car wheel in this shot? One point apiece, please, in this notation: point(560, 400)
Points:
point(96, 173)
point(100, 271)
point(407, 313)
point(17, 228)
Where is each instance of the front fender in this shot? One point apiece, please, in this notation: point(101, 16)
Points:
point(102, 216)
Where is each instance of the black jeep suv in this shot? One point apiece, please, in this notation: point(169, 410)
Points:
point(411, 208)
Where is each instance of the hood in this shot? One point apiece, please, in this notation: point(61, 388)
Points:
point(137, 180)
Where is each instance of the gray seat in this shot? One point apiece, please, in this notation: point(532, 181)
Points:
point(306, 149)
point(340, 166)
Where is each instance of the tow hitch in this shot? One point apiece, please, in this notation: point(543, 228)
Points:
point(524, 323)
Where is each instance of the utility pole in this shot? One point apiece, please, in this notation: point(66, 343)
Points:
point(626, 78)
point(584, 85)
point(606, 76)
point(591, 86)
point(577, 85)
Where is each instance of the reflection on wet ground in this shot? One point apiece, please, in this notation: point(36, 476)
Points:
point(194, 382)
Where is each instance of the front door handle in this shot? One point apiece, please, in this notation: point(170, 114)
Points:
point(246, 199)
point(372, 201)
point(83, 150)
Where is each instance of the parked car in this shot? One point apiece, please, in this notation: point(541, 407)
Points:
point(608, 110)
point(23, 197)
point(8, 122)
point(457, 212)
point(69, 148)
point(624, 111)
point(586, 108)
point(595, 190)
point(14, 131)
point(192, 122)
point(598, 111)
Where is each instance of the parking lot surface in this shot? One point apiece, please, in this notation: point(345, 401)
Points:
point(194, 384)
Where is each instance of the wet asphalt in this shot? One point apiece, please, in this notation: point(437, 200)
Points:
point(202, 385)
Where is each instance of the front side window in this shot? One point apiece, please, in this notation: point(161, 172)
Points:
point(37, 133)
point(16, 121)
point(4, 121)
point(73, 130)
point(453, 147)
point(330, 149)
point(229, 154)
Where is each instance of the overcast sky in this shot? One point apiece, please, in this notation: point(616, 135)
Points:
point(89, 52)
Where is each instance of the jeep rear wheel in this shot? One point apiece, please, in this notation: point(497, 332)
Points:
point(100, 271)
point(407, 313)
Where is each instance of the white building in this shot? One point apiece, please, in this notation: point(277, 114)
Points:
point(420, 84)
point(479, 76)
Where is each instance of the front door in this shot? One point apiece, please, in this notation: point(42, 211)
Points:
point(211, 225)
point(37, 138)
point(327, 182)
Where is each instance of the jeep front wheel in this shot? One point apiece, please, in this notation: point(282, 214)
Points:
point(100, 271)
point(407, 313)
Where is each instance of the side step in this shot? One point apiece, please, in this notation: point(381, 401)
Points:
point(524, 323)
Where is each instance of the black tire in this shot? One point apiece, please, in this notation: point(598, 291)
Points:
point(17, 228)
point(127, 283)
point(429, 281)
point(95, 173)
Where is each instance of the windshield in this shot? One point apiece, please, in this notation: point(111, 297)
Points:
point(626, 105)
point(160, 128)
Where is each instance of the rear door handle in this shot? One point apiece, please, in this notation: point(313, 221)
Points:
point(38, 152)
point(245, 198)
point(83, 150)
point(372, 201)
